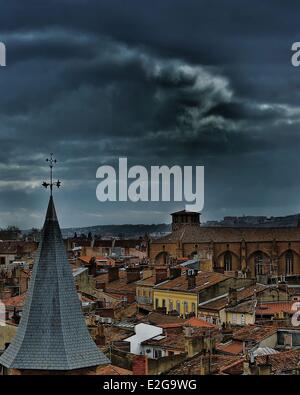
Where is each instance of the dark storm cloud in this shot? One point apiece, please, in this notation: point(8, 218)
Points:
point(172, 82)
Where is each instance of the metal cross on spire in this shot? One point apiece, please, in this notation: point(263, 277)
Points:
point(52, 161)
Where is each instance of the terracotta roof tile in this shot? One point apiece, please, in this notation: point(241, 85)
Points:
point(171, 342)
point(203, 280)
point(198, 323)
point(272, 308)
point(232, 347)
point(192, 234)
point(112, 370)
point(282, 361)
point(218, 364)
point(254, 333)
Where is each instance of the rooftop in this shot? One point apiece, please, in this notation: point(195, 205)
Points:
point(162, 319)
point(198, 323)
point(52, 334)
point(280, 362)
point(242, 295)
point(247, 307)
point(271, 308)
point(173, 341)
point(218, 363)
point(117, 286)
point(99, 259)
point(198, 234)
point(232, 347)
point(203, 281)
point(255, 333)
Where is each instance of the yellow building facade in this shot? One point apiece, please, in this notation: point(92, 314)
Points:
point(182, 302)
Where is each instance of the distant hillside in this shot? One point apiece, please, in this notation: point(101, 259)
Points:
point(157, 230)
point(257, 221)
point(122, 231)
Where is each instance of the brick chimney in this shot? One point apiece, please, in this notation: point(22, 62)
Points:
point(191, 275)
point(161, 274)
point(92, 266)
point(133, 274)
point(139, 365)
point(232, 297)
point(100, 336)
point(113, 274)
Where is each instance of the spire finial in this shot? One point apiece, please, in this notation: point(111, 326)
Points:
point(52, 161)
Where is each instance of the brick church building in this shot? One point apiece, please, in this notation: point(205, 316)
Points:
point(253, 251)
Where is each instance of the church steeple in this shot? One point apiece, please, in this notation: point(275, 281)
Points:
point(52, 334)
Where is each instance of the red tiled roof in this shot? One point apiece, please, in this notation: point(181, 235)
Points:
point(149, 281)
point(232, 347)
point(254, 333)
point(15, 301)
point(203, 280)
point(161, 319)
point(171, 325)
point(198, 323)
point(198, 234)
point(282, 361)
point(170, 342)
point(274, 308)
point(117, 286)
point(112, 370)
point(218, 363)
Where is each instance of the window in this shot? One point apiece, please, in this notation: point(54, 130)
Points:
point(163, 303)
point(258, 260)
point(156, 303)
point(289, 262)
point(193, 307)
point(2, 260)
point(178, 307)
point(227, 261)
point(170, 305)
point(185, 307)
point(157, 354)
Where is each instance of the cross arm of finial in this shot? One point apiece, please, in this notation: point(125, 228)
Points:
point(52, 161)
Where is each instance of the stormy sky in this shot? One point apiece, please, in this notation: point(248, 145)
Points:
point(159, 82)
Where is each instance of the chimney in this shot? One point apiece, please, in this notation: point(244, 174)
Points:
point(175, 272)
point(100, 336)
point(161, 274)
point(92, 266)
point(113, 274)
point(232, 297)
point(133, 274)
point(191, 275)
point(139, 365)
point(191, 282)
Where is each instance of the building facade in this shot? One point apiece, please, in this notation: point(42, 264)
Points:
point(253, 251)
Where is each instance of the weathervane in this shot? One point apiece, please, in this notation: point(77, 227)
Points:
point(52, 161)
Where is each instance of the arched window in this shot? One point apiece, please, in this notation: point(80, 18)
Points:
point(289, 262)
point(227, 261)
point(258, 260)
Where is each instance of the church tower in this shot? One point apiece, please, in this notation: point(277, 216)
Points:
point(52, 334)
point(183, 218)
